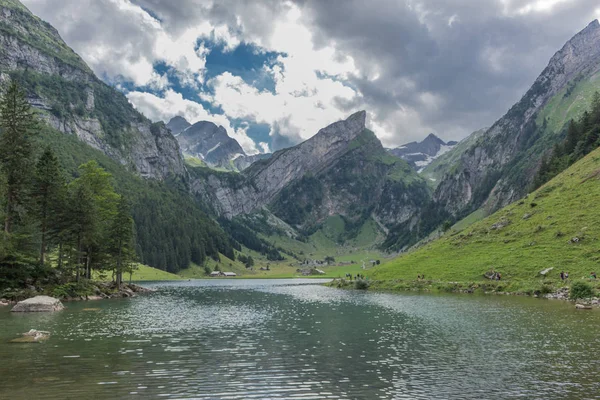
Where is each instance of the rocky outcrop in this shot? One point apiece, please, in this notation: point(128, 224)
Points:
point(243, 162)
point(486, 173)
point(210, 143)
point(39, 304)
point(342, 170)
point(257, 186)
point(32, 336)
point(177, 125)
point(34, 50)
point(309, 157)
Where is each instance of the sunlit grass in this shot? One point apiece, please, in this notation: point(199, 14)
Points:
point(540, 234)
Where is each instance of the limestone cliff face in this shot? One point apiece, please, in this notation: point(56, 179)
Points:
point(486, 173)
point(33, 52)
point(342, 170)
point(309, 157)
point(362, 182)
point(210, 143)
point(231, 194)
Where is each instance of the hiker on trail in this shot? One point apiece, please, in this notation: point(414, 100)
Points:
point(562, 275)
point(498, 276)
point(566, 276)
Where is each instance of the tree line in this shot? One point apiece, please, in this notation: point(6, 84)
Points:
point(53, 226)
point(583, 136)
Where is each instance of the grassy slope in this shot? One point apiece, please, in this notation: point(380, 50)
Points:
point(40, 35)
point(567, 207)
point(146, 273)
point(564, 107)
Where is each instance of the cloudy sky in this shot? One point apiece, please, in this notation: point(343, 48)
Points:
point(273, 72)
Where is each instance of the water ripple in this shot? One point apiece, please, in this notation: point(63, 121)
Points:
point(283, 339)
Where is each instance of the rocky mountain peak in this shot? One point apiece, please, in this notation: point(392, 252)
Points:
point(420, 154)
point(433, 138)
point(178, 124)
point(486, 167)
point(353, 126)
point(206, 141)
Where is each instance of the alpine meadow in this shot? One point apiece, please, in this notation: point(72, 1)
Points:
point(292, 199)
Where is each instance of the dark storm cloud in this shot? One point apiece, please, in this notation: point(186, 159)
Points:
point(253, 17)
point(476, 58)
point(451, 66)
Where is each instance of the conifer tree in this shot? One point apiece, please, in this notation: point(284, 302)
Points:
point(121, 240)
point(48, 195)
point(18, 123)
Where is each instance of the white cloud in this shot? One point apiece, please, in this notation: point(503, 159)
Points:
point(173, 104)
point(303, 108)
point(413, 64)
point(119, 39)
point(264, 147)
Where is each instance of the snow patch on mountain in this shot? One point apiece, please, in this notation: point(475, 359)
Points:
point(420, 154)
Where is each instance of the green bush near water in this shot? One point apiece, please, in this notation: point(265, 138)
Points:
point(581, 290)
point(361, 284)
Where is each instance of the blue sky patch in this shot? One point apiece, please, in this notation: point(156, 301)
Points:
point(246, 61)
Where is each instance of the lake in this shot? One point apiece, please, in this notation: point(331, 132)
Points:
point(295, 339)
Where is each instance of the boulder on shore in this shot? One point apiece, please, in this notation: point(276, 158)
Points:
point(39, 304)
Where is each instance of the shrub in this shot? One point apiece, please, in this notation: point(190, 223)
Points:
point(361, 284)
point(72, 289)
point(581, 290)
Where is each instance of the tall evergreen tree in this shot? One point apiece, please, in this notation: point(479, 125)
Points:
point(82, 221)
point(121, 247)
point(572, 137)
point(98, 183)
point(18, 123)
point(47, 192)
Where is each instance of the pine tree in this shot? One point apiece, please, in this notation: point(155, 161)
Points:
point(82, 220)
point(48, 195)
point(121, 240)
point(98, 183)
point(595, 108)
point(573, 138)
point(18, 124)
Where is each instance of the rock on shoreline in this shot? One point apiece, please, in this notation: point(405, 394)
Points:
point(89, 291)
point(39, 304)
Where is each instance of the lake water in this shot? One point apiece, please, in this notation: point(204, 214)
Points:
point(294, 339)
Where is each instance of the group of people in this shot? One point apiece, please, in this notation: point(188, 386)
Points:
point(355, 277)
point(564, 275)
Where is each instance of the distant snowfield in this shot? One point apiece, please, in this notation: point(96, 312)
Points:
point(422, 164)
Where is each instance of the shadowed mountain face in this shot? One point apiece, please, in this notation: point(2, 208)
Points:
point(211, 143)
point(178, 125)
point(342, 170)
point(420, 154)
point(499, 167)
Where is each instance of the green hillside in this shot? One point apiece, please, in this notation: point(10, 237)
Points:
point(172, 230)
point(557, 226)
point(39, 34)
point(570, 103)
